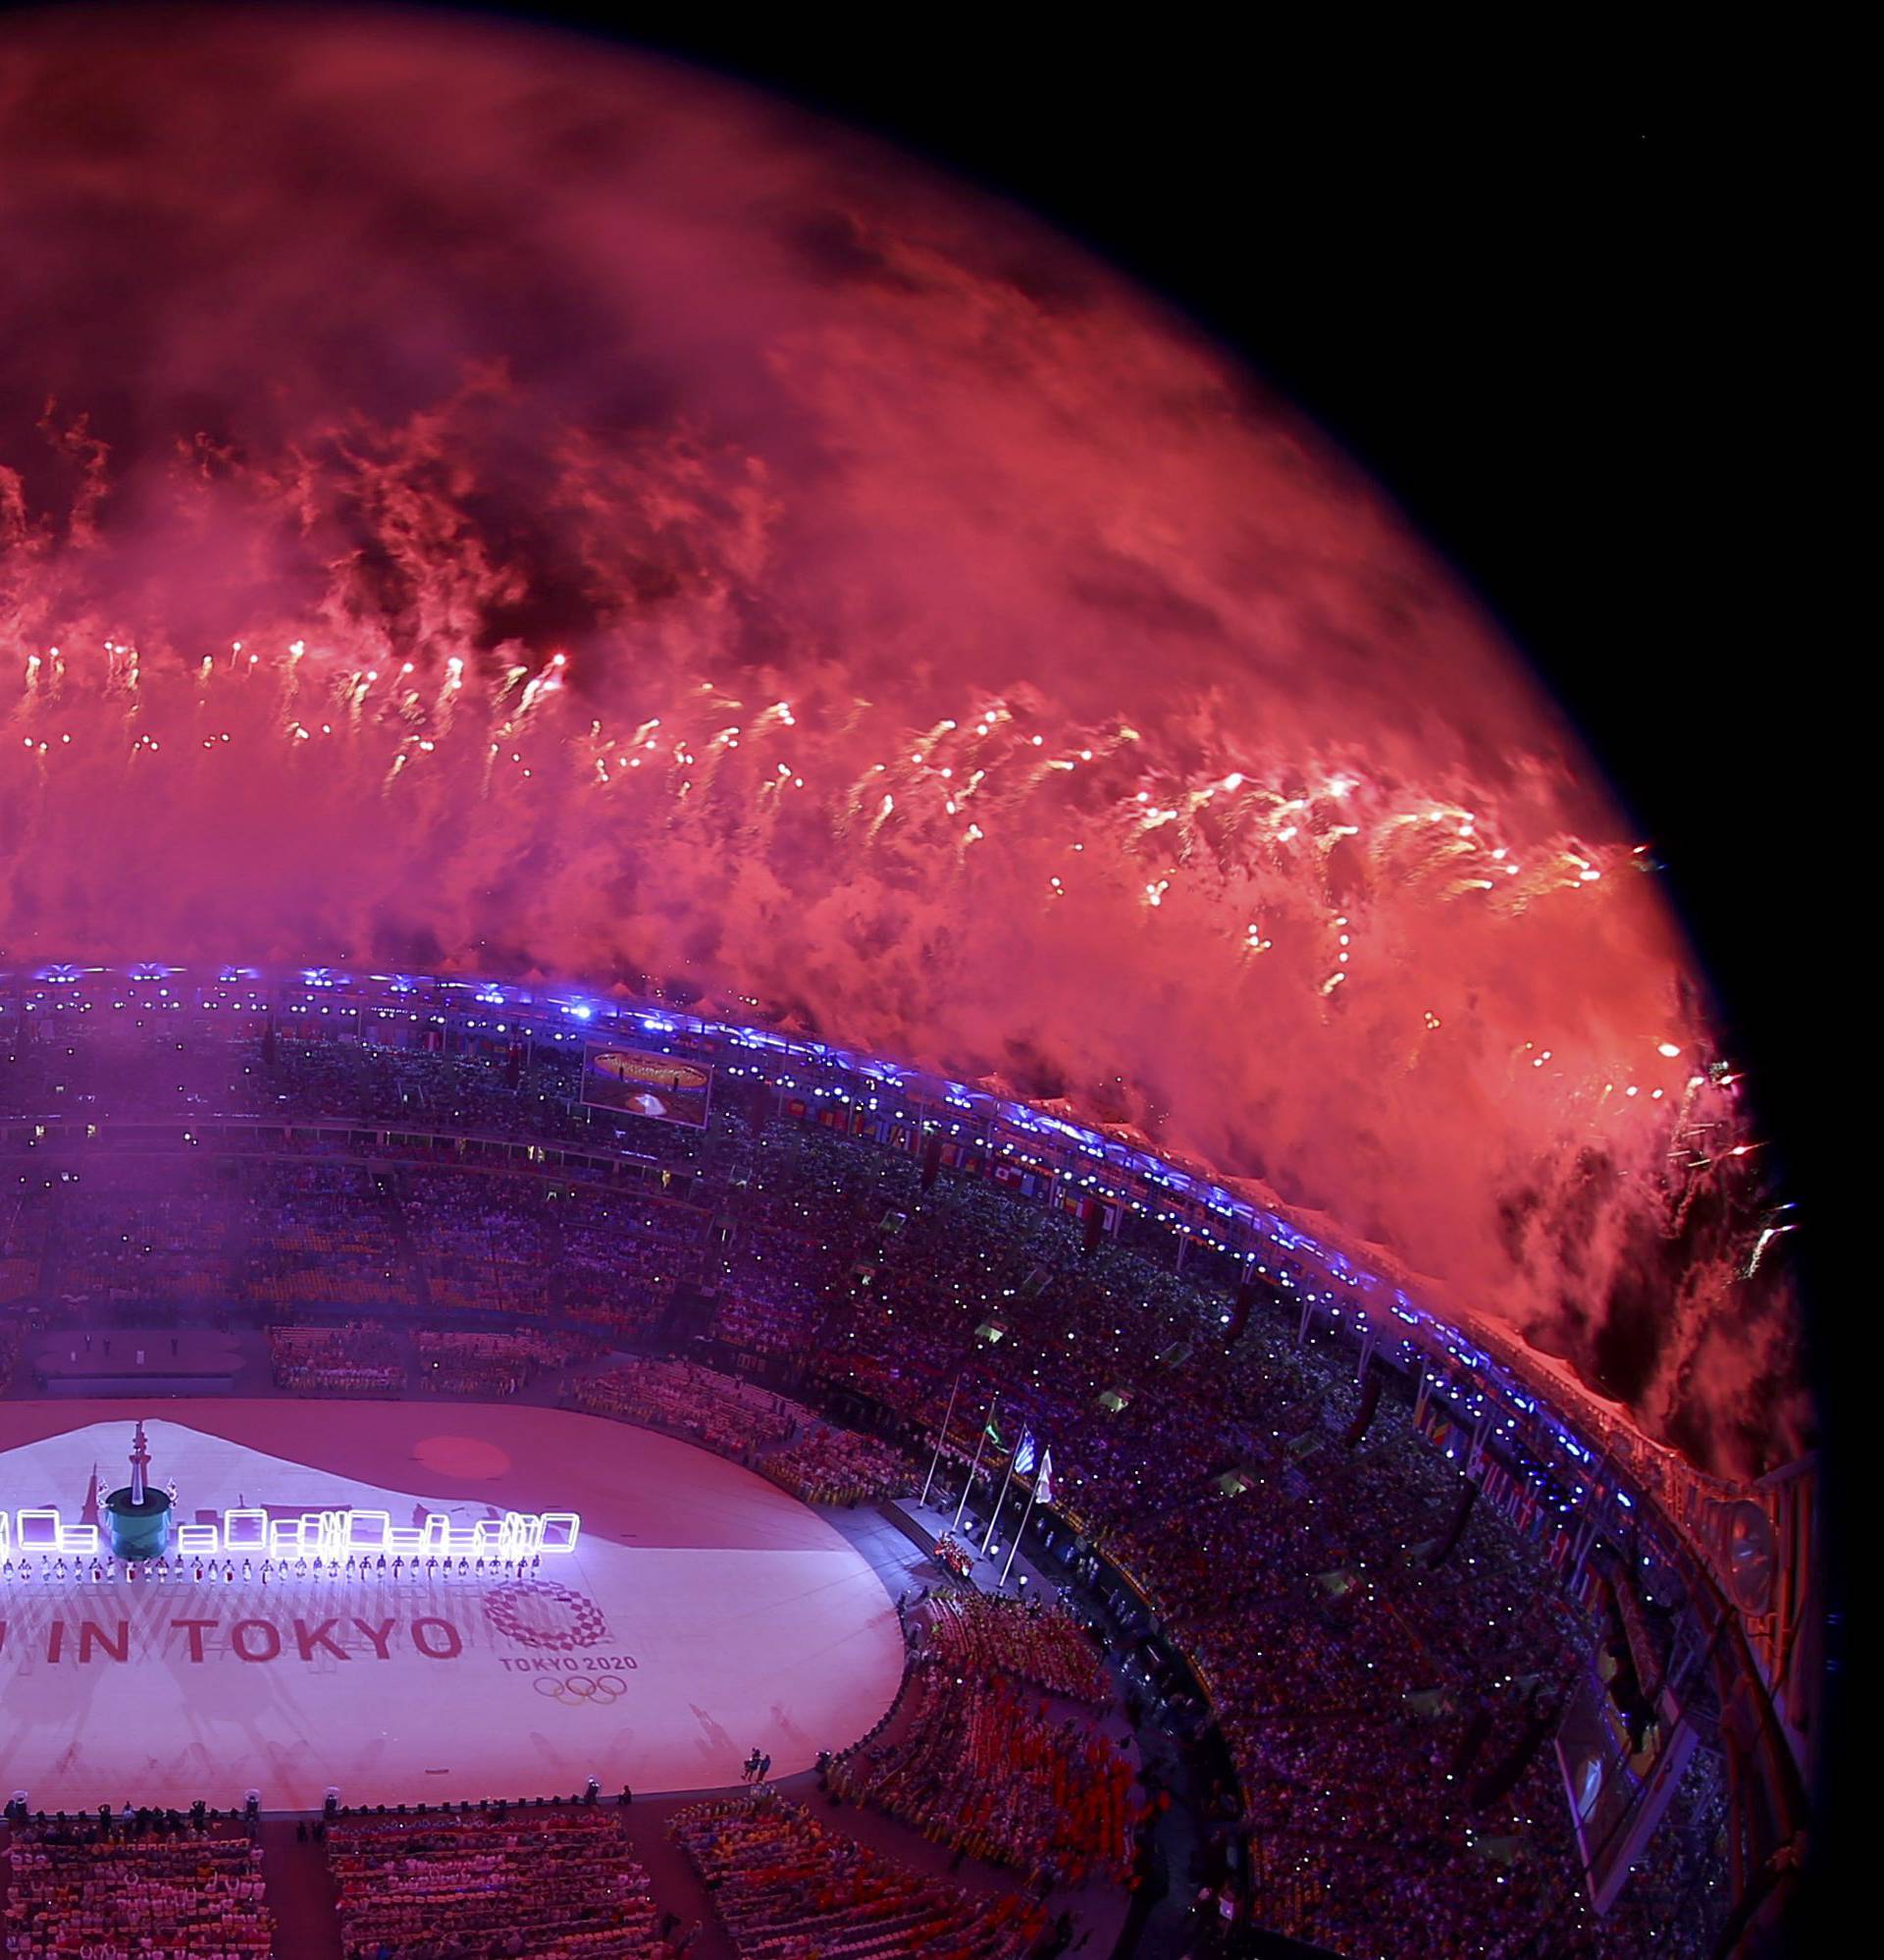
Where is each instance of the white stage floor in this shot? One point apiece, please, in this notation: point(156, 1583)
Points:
point(703, 1611)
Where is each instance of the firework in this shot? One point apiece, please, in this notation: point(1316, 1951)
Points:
point(528, 510)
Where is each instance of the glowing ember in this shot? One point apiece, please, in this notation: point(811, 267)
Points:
point(467, 498)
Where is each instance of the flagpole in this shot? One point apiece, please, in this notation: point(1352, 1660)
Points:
point(1003, 1498)
point(1008, 1566)
point(941, 1437)
point(981, 1444)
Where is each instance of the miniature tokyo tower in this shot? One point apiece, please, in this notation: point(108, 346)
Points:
point(139, 1515)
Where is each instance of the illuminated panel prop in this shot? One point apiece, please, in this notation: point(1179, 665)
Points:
point(46, 1531)
point(319, 1534)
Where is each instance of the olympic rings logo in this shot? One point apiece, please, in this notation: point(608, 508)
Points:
point(574, 1690)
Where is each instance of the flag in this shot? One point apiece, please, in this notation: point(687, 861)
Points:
point(1043, 1483)
point(1026, 1452)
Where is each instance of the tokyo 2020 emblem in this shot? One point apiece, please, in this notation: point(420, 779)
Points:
point(539, 1613)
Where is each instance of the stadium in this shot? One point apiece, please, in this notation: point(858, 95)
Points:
point(964, 1192)
point(397, 1244)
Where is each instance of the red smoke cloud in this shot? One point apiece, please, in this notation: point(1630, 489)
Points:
point(956, 653)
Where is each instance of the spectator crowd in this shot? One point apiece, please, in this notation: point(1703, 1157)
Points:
point(555, 1883)
point(724, 1414)
point(982, 1765)
point(787, 1889)
point(96, 1894)
point(828, 1465)
point(490, 1363)
point(359, 1357)
point(989, 1634)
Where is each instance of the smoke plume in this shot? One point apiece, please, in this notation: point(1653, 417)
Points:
point(472, 500)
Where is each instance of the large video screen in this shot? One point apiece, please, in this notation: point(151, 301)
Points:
point(639, 1084)
point(1616, 1797)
